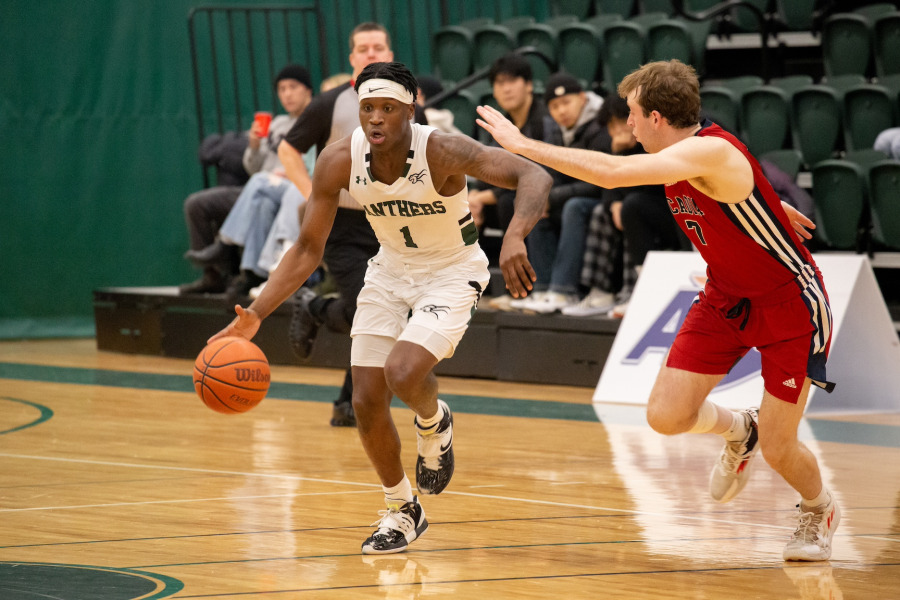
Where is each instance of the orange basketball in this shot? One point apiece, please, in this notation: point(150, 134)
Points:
point(231, 375)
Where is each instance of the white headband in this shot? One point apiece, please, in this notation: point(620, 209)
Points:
point(384, 88)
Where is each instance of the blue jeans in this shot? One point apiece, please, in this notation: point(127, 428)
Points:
point(556, 251)
point(285, 229)
point(249, 221)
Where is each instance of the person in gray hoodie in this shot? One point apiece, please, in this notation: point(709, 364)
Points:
point(556, 244)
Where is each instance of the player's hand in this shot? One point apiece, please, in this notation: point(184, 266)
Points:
point(501, 128)
point(799, 222)
point(517, 270)
point(245, 325)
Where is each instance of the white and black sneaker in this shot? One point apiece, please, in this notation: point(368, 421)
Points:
point(397, 528)
point(732, 470)
point(434, 468)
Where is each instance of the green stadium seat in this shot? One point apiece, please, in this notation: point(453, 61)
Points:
point(868, 110)
point(846, 44)
point(722, 105)
point(816, 120)
point(624, 8)
point(490, 43)
point(765, 119)
point(579, 8)
point(452, 52)
point(580, 52)
point(884, 199)
point(886, 44)
point(543, 38)
point(795, 15)
point(626, 50)
point(839, 195)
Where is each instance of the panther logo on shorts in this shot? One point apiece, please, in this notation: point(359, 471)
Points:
point(436, 310)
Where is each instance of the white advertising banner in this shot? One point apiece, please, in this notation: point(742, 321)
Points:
point(865, 351)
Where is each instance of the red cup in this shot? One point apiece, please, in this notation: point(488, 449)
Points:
point(262, 120)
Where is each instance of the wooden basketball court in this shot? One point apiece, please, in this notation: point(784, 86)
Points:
point(117, 483)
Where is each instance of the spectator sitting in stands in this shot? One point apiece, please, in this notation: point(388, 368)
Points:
point(250, 219)
point(556, 244)
point(442, 118)
point(513, 88)
point(630, 222)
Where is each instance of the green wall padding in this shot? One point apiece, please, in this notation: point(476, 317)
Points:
point(99, 137)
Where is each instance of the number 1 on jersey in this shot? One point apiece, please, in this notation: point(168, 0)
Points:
point(408, 238)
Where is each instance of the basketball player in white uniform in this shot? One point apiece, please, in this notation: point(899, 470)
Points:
point(421, 288)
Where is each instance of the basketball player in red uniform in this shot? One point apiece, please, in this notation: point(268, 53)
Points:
point(763, 289)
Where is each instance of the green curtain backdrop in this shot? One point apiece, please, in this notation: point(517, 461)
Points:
point(99, 141)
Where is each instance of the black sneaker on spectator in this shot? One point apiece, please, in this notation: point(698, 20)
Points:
point(212, 282)
point(435, 464)
point(397, 528)
point(240, 286)
point(342, 415)
point(304, 326)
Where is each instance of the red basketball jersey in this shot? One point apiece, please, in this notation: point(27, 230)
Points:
point(750, 248)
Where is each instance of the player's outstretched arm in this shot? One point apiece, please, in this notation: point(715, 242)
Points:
point(498, 167)
point(712, 161)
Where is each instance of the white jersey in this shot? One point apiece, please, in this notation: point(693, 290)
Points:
point(413, 222)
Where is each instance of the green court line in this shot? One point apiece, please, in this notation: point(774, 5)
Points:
point(845, 432)
point(481, 405)
point(44, 414)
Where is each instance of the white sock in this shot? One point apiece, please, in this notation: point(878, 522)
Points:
point(707, 417)
point(738, 429)
point(398, 495)
point(820, 500)
point(431, 422)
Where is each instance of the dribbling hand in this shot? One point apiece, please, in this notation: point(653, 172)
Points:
point(245, 325)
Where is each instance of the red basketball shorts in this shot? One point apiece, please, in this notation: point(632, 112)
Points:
point(792, 336)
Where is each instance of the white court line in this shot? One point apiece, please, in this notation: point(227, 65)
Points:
point(370, 485)
point(184, 500)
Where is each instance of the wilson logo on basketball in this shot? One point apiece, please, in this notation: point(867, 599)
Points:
point(252, 375)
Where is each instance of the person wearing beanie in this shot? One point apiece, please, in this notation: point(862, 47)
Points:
point(557, 242)
point(244, 230)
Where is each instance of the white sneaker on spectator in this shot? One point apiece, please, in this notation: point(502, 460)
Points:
point(596, 302)
point(524, 303)
point(552, 302)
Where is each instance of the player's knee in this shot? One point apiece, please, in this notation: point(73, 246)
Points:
point(663, 419)
point(778, 451)
point(399, 376)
